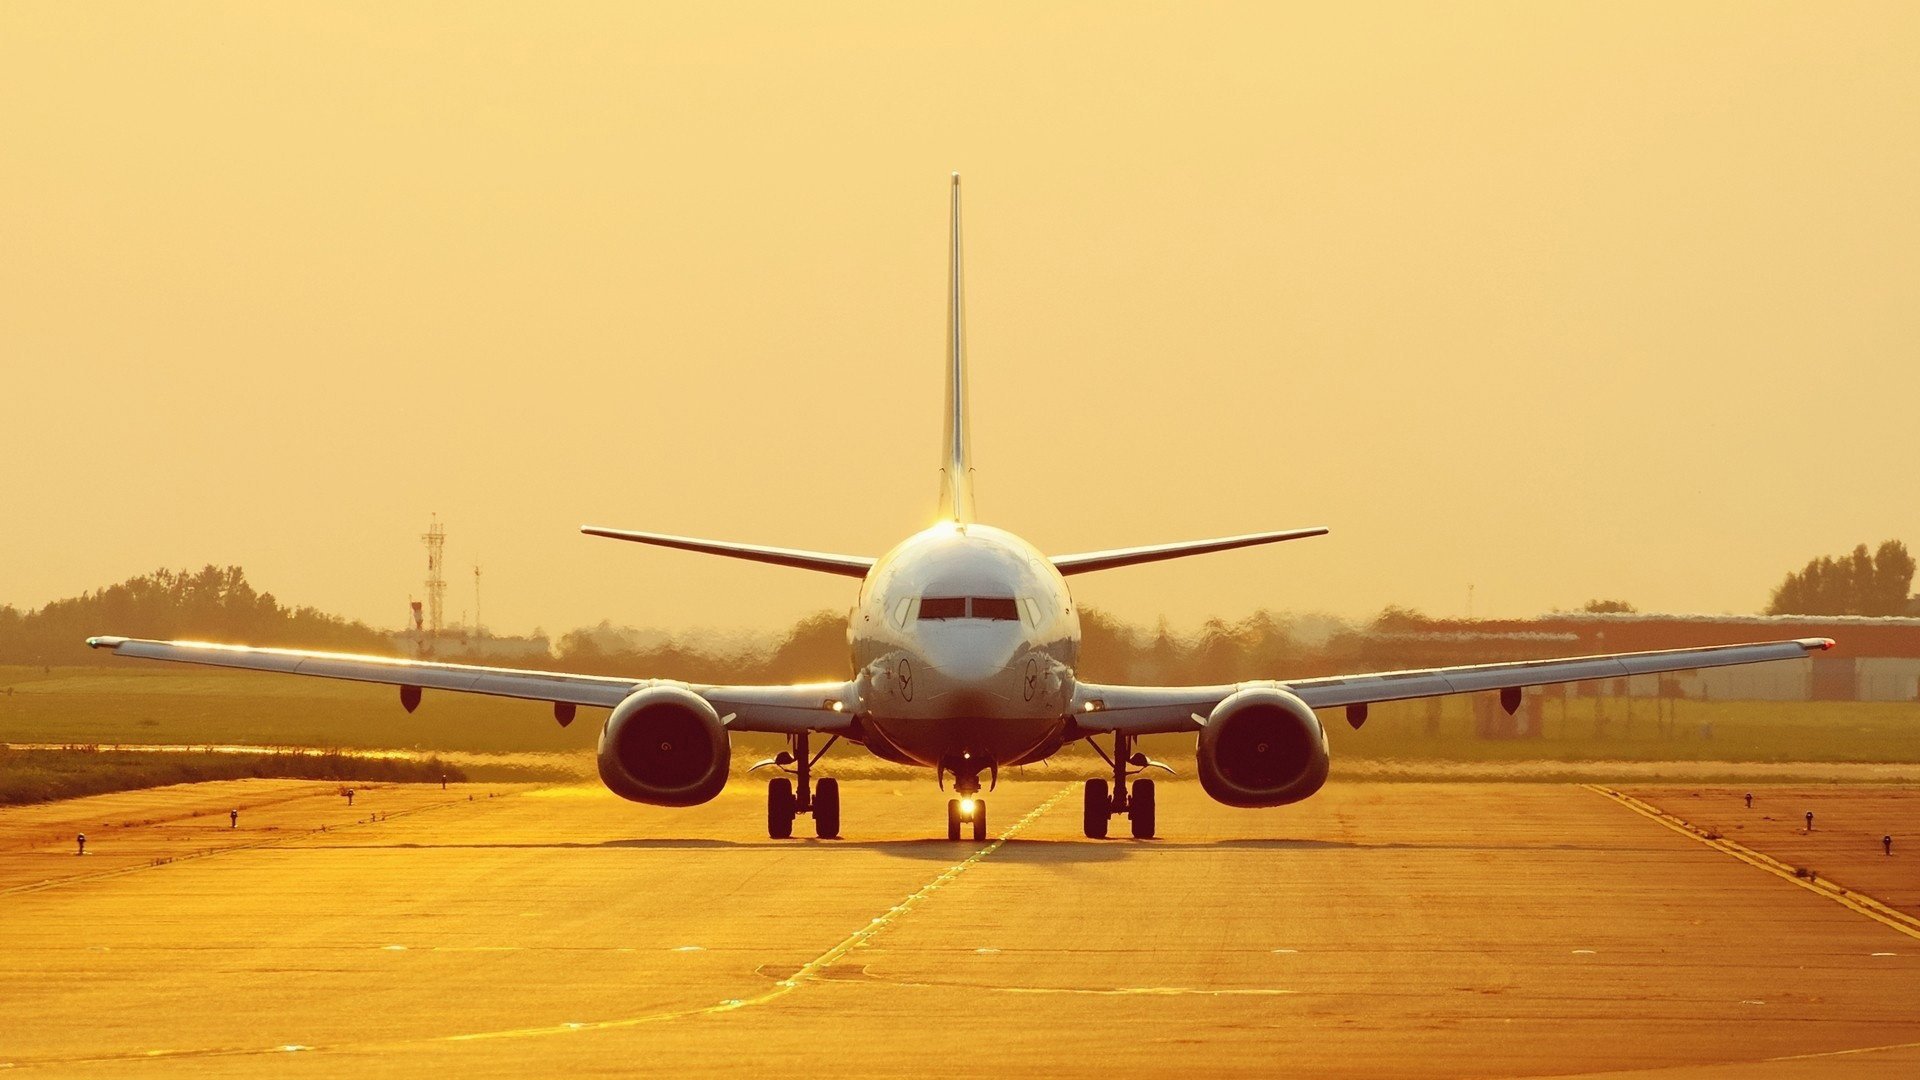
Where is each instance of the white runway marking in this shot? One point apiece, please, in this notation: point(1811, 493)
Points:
point(1860, 902)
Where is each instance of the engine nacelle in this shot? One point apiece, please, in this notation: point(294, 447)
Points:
point(1262, 747)
point(666, 746)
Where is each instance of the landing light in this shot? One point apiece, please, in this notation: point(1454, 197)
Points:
point(966, 806)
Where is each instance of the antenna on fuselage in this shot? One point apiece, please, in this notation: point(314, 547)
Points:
point(956, 467)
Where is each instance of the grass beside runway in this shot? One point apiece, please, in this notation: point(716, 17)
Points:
point(32, 776)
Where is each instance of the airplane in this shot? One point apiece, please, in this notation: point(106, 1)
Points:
point(964, 640)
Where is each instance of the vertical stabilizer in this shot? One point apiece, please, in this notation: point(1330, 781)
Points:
point(956, 452)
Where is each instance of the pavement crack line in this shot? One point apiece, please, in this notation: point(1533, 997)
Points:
point(810, 972)
point(1813, 883)
point(1098, 991)
point(1847, 1053)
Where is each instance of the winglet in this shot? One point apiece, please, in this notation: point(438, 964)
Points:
point(956, 462)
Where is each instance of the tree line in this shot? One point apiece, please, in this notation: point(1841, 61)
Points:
point(219, 604)
point(1860, 583)
point(214, 603)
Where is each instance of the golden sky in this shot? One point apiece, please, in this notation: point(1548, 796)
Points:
point(1558, 300)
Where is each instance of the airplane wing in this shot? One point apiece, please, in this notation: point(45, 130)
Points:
point(1146, 710)
point(784, 709)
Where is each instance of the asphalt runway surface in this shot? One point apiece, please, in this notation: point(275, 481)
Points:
point(1377, 930)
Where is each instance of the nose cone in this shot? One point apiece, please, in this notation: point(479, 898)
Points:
point(971, 653)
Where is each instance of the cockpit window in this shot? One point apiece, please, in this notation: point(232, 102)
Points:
point(995, 607)
point(943, 607)
point(1002, 608)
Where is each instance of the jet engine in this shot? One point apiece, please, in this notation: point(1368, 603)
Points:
point(666, 746)
point(1262, 747)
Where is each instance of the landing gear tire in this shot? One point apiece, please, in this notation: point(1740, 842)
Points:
point(826, 808)
point(979, 820)
point(1096, 809)
point(953, 819)
point(1140, 810)
point(780, 808)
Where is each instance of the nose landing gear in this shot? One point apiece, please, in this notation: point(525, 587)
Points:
point(961, 811)
point(969, 808)
point(1139, 807)
point(784, 802)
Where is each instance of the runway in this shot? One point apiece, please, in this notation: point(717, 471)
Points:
point(1377, 930)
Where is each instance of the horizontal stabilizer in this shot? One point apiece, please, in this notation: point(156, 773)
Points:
point(1087, 562)
point(844, 565)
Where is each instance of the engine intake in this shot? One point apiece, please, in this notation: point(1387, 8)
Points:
point(1262, 747)
point(666, 746)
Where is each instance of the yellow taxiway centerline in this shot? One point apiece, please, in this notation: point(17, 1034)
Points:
point(808, 971)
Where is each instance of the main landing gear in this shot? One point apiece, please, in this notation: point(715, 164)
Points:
point(821, 799)
point(1099, 805)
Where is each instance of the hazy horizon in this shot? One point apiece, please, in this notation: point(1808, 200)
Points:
point(1569, 302)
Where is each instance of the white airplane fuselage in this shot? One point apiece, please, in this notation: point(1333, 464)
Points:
point(964, 644)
